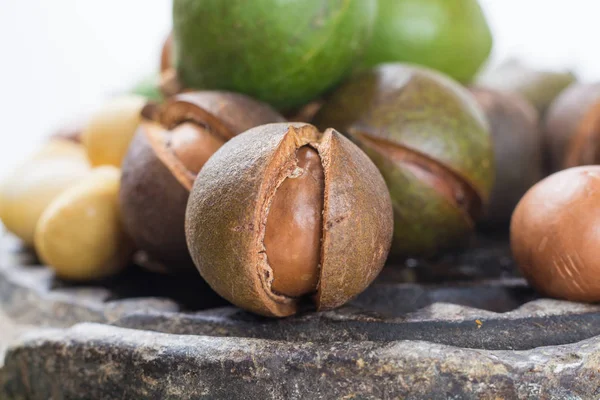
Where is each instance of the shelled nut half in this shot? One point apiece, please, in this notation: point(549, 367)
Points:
point(555, 236)
point(80, 234)
point(162, 163)
point(572, 127)
point(431, 142)
point(283, 214)
point(110, 129)
point(32, 186)
point(514, 124)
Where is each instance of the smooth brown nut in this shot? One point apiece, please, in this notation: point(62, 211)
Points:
point(514, 124)
point(110, 130)
point(229, 217)
point(162, 163)
point(572, 128)
point(32, 186)
point(79, 235)
point(555, 237)
point(294, 227)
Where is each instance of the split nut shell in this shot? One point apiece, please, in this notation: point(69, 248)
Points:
point(163, 160)
point(285, 213)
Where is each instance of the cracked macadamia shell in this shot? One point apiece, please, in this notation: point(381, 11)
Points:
point(555, 236)
point(155, 182)
point(229, 204)
point(431, 142)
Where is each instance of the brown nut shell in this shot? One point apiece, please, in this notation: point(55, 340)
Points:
point(555, 236)
point(229, 205)
point(514, 124)
point(572, 128)
point(163, 161)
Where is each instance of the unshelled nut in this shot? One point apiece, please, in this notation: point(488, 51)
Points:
point(163, 160)
point(284, 213)
point(79, 235)
point(28, 190)
point(572, 127)
point(284, 53)
point(431, 142)
point(514, 124)
point(554, 235)
point(110, 129)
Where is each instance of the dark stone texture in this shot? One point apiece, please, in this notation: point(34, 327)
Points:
point(101, 362)
point(476, 335)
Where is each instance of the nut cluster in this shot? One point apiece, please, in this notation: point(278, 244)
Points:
point(187, 173)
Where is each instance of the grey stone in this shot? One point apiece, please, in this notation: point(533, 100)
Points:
point(463, 326)
point(102, 362)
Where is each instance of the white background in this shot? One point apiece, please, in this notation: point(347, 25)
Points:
point(61, 58)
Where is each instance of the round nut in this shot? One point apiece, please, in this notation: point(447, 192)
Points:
point(572, 128)
point(163, 161)
point(28, 190)
point(554, 235)
point(110, 130)
point(514, 124)
point(283, 53)
point(285, 213)
point(79, 235)
point(431, 142)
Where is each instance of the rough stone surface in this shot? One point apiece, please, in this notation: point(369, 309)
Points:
point(481, 334)
point(102, 362)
